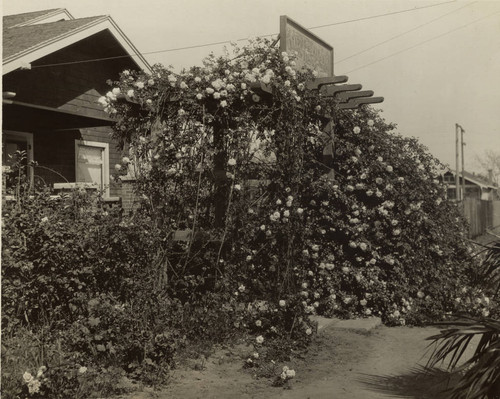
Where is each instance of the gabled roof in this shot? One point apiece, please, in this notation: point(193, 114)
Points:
point(24, 42)
point(35, 17)
point(476, 179)
point(22, 39)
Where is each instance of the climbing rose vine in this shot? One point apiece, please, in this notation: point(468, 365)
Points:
point(232, 152)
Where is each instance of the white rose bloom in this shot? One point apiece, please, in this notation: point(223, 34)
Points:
point(103, 101)
point(27, 377)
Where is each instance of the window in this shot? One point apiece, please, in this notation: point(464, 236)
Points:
point(92, 164)
point(13, 142)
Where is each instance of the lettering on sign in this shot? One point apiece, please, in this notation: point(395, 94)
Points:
point(312, 52)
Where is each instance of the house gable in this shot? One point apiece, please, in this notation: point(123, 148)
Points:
point(54, 102)
point(24, 45)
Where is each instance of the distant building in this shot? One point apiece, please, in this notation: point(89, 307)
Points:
point(55, 68)
point(475, 186)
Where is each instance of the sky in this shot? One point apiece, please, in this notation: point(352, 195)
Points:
point(436, 63)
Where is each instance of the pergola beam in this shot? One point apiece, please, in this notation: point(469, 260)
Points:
point(356, 102)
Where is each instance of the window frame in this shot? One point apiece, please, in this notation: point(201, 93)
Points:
point(105, 169)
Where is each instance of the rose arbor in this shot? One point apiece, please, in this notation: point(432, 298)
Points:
point(200, 137)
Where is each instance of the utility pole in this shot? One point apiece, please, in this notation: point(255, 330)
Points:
point(463, 170)
point(457, 180)
point(459, 148)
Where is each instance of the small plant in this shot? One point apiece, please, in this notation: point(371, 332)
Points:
point(283, 380)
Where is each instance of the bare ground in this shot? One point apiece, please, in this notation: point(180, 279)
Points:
point(341, 363)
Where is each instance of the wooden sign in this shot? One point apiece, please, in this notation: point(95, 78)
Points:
point(312, 52)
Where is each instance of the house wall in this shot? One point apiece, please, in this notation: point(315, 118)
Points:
point(75, 87)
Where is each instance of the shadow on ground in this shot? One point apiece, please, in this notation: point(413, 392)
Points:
point(418, 383)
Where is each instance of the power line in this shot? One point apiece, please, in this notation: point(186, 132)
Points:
point(421, 43)
point(238, 40)
point(402, 34)
point(383, 15)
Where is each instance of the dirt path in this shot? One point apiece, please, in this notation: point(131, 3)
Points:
point(345, 364)
point(386, 363)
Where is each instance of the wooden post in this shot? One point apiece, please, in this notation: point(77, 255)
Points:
point(462, 131)
point(221, 187)
point(329, 149)
point(457, 181)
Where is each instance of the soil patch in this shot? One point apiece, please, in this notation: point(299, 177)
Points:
point(383, 363)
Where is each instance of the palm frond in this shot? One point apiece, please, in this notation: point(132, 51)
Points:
point(489, 270)
point(481, 372)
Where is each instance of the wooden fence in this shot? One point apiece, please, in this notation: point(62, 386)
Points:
point(481, 215)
